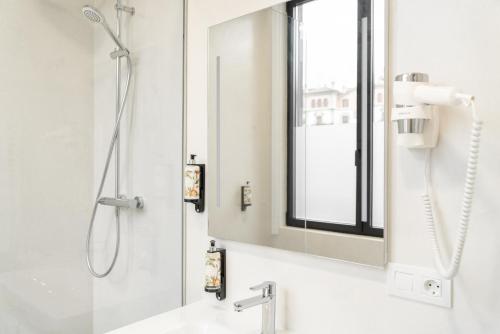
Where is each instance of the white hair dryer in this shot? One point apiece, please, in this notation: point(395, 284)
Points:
point(416, 109)
point(416, 113)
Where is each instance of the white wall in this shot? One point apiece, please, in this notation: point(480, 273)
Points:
point(148, 276)
point(456, 42)
point(46, 174)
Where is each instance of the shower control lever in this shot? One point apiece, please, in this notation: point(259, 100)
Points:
point(129, 203)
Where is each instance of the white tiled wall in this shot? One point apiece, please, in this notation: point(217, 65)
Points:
point(456, 42)
point(46, 174)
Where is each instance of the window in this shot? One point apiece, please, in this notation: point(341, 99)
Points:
point(313, 103)
point(336, 176)
point(380, 98)
point(345, 103)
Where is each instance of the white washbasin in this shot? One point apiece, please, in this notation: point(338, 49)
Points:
point(204, 317)
point(200, 328)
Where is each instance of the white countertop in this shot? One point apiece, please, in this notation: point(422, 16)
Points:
point(204, 317)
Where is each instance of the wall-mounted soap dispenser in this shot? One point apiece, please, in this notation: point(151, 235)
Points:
point(215, 271)
point(246, 196)
point(194, 184)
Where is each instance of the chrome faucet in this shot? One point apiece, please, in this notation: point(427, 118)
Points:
point(268, 301)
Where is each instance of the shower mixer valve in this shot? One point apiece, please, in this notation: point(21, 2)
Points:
point(123, 202)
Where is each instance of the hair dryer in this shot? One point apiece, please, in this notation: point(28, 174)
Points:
point(417, 118)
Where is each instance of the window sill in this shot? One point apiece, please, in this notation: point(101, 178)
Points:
point(341, 246)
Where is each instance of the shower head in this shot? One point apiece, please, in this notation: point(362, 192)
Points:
point(95, 16)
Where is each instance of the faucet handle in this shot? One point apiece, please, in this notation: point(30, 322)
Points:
point(268, 288)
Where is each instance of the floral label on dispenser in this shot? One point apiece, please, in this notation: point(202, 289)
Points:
point(192, 182)
point(213, 271)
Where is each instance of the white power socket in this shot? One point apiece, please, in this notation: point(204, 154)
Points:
point(418, 283)
point(433, 287)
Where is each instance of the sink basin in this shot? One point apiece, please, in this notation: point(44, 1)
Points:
point(204, 317)
point(207, 328)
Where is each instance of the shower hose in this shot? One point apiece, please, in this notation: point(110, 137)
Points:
point(450, 270)
point(103, 180)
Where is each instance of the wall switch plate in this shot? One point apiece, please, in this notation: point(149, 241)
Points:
point(418, 283)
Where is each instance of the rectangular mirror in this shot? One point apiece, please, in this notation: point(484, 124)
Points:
point(297, 126)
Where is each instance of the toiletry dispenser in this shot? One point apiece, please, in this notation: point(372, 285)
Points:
point(246, 196)
point(194, 184)
point(215, 271)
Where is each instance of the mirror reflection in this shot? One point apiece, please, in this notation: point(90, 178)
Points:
point(296, 128)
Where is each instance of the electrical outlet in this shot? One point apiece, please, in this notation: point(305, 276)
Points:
point(418, 283)
point(433, 288)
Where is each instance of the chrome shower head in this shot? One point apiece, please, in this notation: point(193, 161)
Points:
point(93, 14)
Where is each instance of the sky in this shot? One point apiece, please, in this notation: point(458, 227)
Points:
point(330, 28)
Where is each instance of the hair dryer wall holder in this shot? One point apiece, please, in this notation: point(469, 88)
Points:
point(415, 113)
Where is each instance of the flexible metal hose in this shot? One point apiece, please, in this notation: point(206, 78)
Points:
point(451, 270)
point(103, 180)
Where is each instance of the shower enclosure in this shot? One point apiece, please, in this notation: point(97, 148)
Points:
point(65, 116)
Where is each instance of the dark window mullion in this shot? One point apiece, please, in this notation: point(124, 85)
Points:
point(359, 117)
point(290, 213)
point(369, 119)
point(367, 229)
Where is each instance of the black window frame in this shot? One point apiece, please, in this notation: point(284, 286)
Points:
point(365, 10)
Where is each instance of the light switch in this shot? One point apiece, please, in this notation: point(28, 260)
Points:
point(404, 281)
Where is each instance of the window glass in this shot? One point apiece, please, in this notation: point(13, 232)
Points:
point(330, 73)
point(338, 138)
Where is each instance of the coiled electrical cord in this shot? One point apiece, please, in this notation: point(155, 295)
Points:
point(451, 269)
